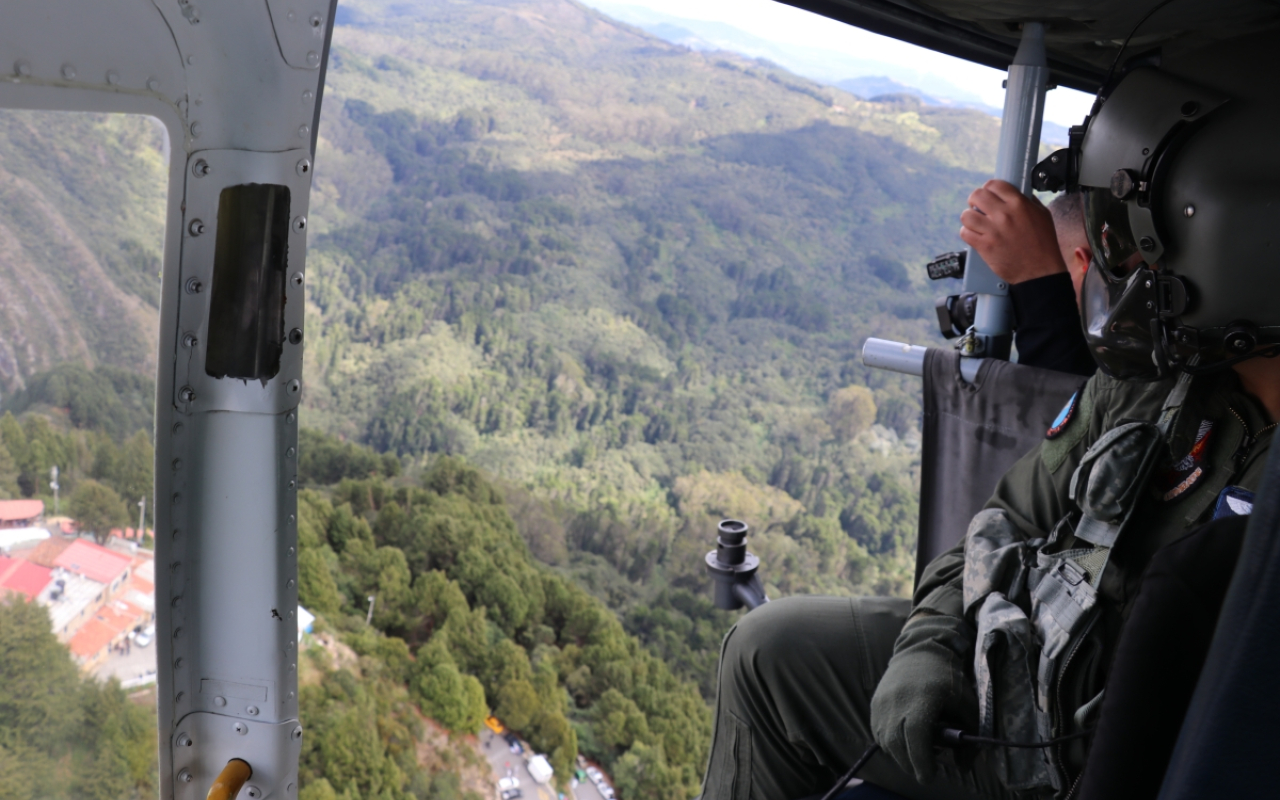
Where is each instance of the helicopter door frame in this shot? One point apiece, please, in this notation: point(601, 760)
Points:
point(237, 86)
point(1016, 157)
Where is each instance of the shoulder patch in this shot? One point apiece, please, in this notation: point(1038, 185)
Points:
point(1178, 478)
point(1072, 425)
point(1064, 417)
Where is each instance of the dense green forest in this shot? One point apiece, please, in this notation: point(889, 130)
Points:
point(61, 736)
point(488, 628)
point(95, 426)
point(630, 282)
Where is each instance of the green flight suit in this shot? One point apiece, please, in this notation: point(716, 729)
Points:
point(798, 675)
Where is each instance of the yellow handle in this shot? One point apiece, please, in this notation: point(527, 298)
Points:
point(230, 780)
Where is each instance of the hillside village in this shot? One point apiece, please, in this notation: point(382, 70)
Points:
point(100, 600)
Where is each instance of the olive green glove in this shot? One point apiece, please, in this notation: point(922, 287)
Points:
point(923, 690)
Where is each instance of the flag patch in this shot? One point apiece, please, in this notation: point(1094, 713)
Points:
point(1064, 417)
point(1233, 501)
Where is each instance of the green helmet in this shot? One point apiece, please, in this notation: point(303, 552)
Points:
point(1182, 209)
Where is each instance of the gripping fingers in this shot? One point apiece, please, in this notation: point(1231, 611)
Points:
point(975, 220)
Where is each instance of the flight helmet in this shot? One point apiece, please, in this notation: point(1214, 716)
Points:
point(1181, 189)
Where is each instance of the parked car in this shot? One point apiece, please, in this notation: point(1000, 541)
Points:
point(594, 774)
point(143, 637)
point(508, 783)
point(511, 794)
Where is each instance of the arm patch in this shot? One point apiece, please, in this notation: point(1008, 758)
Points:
point(1068, 430)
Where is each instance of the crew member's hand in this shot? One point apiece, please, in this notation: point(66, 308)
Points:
point(1013, 233)
point(923, 690)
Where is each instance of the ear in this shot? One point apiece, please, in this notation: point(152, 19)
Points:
point(1081, 257)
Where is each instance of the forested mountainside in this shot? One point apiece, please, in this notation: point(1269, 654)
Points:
point(631, 281)
point(625, 281)
point(81, 227)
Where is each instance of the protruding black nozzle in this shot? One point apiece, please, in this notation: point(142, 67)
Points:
point(733, 569)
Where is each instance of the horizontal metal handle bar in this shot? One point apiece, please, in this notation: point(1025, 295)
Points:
point(908, 358)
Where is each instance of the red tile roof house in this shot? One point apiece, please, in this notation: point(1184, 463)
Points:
point(20, 513)
point(133, 607)
point(96, 563)
point(92, 643)
point(72, 600)
point(21, 577)
point(85, 576)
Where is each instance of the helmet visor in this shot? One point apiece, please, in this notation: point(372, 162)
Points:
point(1106, 222)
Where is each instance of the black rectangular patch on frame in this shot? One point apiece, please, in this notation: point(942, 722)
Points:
point(246, 308)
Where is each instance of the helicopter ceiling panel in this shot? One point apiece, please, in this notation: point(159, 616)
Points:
point(1083, 36)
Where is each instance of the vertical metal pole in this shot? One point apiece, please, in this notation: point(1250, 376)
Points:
point(1015, 158)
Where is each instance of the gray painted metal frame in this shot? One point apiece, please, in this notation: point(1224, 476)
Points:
point(237, 85)
point(1016, 156)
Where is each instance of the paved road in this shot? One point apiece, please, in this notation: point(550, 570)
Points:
point(587, 791)
point(137, 664)
point(505, 762)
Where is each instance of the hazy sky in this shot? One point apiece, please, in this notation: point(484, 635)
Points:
point(784, 24)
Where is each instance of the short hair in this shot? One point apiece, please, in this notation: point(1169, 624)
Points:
point(1067, 210)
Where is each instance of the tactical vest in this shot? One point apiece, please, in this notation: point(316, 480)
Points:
point(1036, 610)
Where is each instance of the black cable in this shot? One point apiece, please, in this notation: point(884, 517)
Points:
point(1270, 351)
point(852, 773)
point(1128, 38)
point(952, 737)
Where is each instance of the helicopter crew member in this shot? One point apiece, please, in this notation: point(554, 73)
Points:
point(1043, 254)
point(1009, 635)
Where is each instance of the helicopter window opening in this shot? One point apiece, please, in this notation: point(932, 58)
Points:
point(246, 315)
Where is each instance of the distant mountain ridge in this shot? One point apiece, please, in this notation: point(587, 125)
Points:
point(827, 66)
point(863, 77)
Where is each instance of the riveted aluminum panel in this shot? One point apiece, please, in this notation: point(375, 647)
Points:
point(217, 170)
